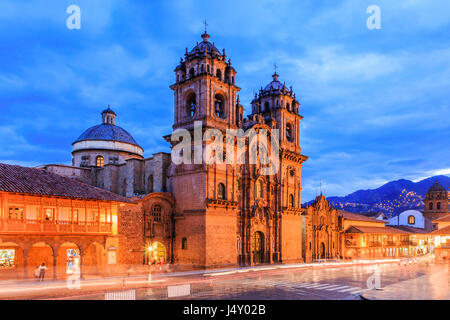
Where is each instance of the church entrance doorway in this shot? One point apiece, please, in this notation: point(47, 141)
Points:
point(322, 250)
point(157, 252)
point(258, 247)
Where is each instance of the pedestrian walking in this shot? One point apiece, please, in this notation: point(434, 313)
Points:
point(42, 270)
point(37, 272)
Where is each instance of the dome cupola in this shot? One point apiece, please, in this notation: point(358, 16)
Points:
point(106, 140)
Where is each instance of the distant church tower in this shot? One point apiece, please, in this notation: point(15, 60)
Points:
point(436, 201)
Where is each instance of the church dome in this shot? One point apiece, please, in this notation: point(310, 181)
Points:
point(107, 132)
point(276, 86)
point(204, 47)
point(107, 136)
point(436, 187)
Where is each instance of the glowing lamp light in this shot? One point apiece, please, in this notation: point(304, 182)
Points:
point(437, 241)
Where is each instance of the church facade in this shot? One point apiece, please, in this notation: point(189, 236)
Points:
point(205, 214)
point(200, 213)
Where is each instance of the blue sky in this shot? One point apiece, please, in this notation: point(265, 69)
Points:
point(375, 102)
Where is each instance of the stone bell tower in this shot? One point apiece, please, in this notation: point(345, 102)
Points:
point(277, 105)
point(205, 89)
point(205, 198)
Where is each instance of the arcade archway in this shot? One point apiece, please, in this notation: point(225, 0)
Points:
point(11, 261)
point(93, 259)
point(40, 253)
point(69, 259)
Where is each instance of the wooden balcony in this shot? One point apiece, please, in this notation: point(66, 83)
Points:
point(13, 226)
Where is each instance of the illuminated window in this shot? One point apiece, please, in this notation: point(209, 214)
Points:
point(289, 132)
point(15, 213)
point(103, 215)
point(191, 104)
point(74, 215)
point(238, 186)
point(184, 244)
point(94, 215)
point(411, 220)
point(49, 214)
point(156, 213)
point(221, 191)
point(7, 258)
point(219, 103)
point(99, 161)
point(259, 189)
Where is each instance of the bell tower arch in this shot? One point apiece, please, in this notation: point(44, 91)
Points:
point(204, 88)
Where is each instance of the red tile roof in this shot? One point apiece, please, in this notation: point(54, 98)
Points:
point(358, 217)
point(411, 230)
point(40, 182)
point(376, 230)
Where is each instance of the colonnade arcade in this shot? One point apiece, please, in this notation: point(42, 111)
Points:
point(62, 256)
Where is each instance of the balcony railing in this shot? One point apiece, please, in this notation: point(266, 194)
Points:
point(51, 226)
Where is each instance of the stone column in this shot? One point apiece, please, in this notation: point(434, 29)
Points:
point(25, 263)
point(55, 265)
point(82, 250)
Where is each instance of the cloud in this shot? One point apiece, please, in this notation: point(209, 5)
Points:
point(373, 101)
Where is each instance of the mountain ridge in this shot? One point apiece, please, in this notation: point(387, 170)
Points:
point(391, 198)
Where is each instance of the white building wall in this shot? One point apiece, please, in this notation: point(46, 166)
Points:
point(402, 219)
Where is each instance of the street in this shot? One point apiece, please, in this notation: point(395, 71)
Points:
point(336, 281)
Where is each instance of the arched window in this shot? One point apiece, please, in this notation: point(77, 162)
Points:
point(221, 194)
point(219, 103)
point(184, 244)
point(438, 206)
point(259, 189)
point(232, 80)
point(411, 220)
point(156, 213)
point(191, 73)
point(99, 161)
point(203, 68)
point(291, 200)
point(219, 74)
point(191, 104)
point(289, 132)
point(238, 185)
point(288, 106)
point(430, 206)
point(266, 106)
point(207, 68)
